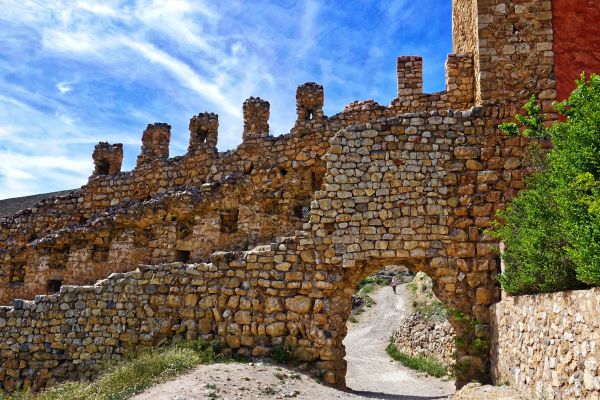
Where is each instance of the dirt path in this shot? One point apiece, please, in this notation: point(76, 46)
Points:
point(371, 373)
point(370, 370)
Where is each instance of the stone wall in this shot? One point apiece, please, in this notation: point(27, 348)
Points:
point(283, 172)
point(418, 190)
point(251, 304)
point(186, 225)
point(418, 335)
point(512, 41)
point(549, 344)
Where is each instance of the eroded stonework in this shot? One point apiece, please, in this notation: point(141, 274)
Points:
point(265, 244)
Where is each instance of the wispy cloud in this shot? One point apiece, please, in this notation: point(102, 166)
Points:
point(64, 87)
point(186, 75)
point(74, 72)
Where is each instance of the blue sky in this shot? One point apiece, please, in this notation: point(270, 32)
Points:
point(73, 73)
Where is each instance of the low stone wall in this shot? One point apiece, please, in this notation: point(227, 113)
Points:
point(549, 344)
point(419, 336)
point(427, 331)
point(251, 301)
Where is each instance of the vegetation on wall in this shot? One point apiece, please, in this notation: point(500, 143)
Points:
point(552, 229)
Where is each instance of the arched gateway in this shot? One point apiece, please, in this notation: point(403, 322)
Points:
point(418, 190)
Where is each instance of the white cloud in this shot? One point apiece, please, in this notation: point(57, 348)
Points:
point(309, 27)
point(64, 87)
point(22, 175)
point(98, 8)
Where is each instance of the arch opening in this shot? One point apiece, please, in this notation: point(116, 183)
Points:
point(394, 330)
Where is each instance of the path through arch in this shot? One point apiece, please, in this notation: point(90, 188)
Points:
point(370, 370)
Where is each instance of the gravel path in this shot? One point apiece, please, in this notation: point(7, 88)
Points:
point(370, 369)
point(371, 373)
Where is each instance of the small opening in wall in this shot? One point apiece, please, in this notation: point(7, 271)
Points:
point(302, 212)
point(310, 114)
point(17, 273)
point(248, 167)
point(100, 253)
point(54, 285)
point(229, 221)
point(182, 255)
point(328, 227)
point(283, 171)
point(298, 211)
point(103, 167)
point(201, 135)
point(315, 181)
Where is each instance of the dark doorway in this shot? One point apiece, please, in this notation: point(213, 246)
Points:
point(54, 285)
point(182, 255)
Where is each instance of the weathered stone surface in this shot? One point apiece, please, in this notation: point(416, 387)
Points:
point(475, 391)
point(419, 336)
point(299, 304)
point(547, 345)
point(416, 181)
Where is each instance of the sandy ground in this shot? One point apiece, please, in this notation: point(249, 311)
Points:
point(371, 373)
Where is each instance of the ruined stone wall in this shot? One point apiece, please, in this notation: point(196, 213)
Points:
point(251, 301)
point(419, 336)
point(549, 344)
point(178, 226)
point(418, 189)
point(283, 172)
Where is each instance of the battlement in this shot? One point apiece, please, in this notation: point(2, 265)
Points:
point(309, 102)
point(107, 159)
point(460, 78)
point(410, 75)
point(155, 143)
point(256, 118)
point(460, 85)
point(204, 130)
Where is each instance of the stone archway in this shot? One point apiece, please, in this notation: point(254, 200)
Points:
point(421, 190)
point(471, 360)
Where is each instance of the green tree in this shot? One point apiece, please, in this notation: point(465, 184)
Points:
point(552, 229)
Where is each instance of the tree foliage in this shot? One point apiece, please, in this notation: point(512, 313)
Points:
point(552, 229)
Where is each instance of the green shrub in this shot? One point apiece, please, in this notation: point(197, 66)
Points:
point(282, 353)
point(552, 229)
point(418, 363)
